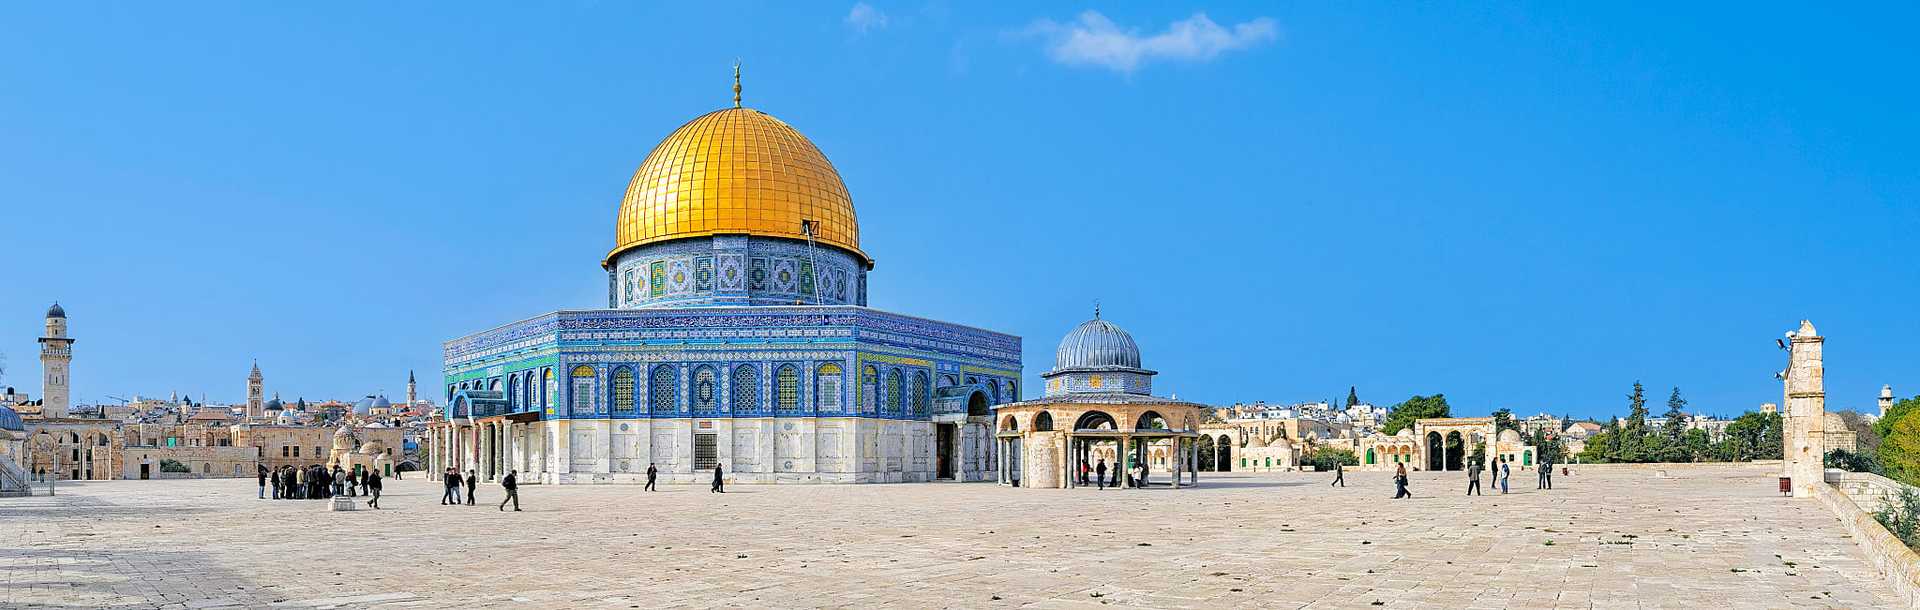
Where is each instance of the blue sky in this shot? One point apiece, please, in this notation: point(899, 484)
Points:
point(1527, 206)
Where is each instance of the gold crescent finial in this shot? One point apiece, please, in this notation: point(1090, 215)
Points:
point(736, 83)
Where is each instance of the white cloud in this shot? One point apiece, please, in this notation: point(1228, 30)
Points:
point(1095, 40)
point(864, 18)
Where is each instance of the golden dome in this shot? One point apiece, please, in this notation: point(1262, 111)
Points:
point(736, 171)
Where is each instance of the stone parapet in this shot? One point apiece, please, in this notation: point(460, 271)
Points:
point(1898, 565)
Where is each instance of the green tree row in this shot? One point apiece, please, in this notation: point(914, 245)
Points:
point(1752, 436)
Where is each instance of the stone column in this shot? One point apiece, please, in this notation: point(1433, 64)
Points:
point(1177, 456)
point(1804, 440)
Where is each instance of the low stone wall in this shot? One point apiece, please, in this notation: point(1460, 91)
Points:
point(1853, 496)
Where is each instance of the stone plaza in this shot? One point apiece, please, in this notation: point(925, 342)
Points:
point(1606, 537)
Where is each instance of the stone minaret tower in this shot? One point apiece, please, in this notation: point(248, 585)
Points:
point(256, 393)
point(56, 356)
point(1804, 425)
point(1886, 399)
point(410, 389)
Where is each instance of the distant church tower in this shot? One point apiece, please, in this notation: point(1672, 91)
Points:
point(256, 393)
point(1886, 399)
point(56, 356)
point(1804, 440)
point(410, 388)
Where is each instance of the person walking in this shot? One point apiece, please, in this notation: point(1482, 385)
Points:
point(372, 482)
point(1339, 474)
point(1084, 471)
point(363, 480)
point(473, 479)
point(1506, 470)
point(511, 485)
point(1546, 475)
point(719, 486)
point(353, 482)
point(1400, 483)
point(452, 481)
point(1473, 481)
point(263, 481)
point(1100, 473)
point(653, 477)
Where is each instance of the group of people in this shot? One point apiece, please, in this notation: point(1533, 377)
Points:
point(1502, 471)
point(316, 482)
point(453, 480)
point(1096, 475)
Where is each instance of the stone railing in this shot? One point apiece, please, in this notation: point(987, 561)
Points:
point(14, 479)
point(1853, 496)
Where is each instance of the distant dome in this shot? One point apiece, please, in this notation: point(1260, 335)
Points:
point(1255, 442)
point(382, 403)
point(9, 420)
point(1509, 436)
point(56, 312)
point(364, 406)
point(275, 405)
point(1097, 343)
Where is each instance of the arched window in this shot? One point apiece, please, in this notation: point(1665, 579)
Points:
point(549, 390)
point(993, 391)
point(948, 380)
point(787, 387)
point(527, 397)
point(581, 398)
point(746, 389)
point(920, 396)
point(663, 390)
point(493, 384)
point(706, 389)
point(623, 391)
point(513, 399)
point(1043, 422)
point(1013, 392)
point(869, 389)
point(896, 392)
point(1009, 424)
point(826, 387)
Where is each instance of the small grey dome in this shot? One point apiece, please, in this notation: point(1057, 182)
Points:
point(9, 420)
point(275, 405)
point(1097, 343)
point(382, 403)
point(56, 312)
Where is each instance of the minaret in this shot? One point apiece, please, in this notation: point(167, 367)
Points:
point(1804, 425)
point(1886, 399)
point(56, 356)
point(410, 388)
point(256, 393)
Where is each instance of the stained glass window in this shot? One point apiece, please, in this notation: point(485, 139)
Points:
point(704, 390)
point(826, 387)
point(663, 390)
point(746, 389)
point(787, 392)
point(623, 391)
point(896, 394)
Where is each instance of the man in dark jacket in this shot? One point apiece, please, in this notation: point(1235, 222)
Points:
point(452, 480)
point(263, 482)
point(719, 485)
point(372, 482)
point(652, 475)
point(472, 480)
point(1100, 473)
point(511, 485)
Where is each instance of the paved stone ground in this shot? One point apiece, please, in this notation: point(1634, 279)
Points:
point(1711, 537)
